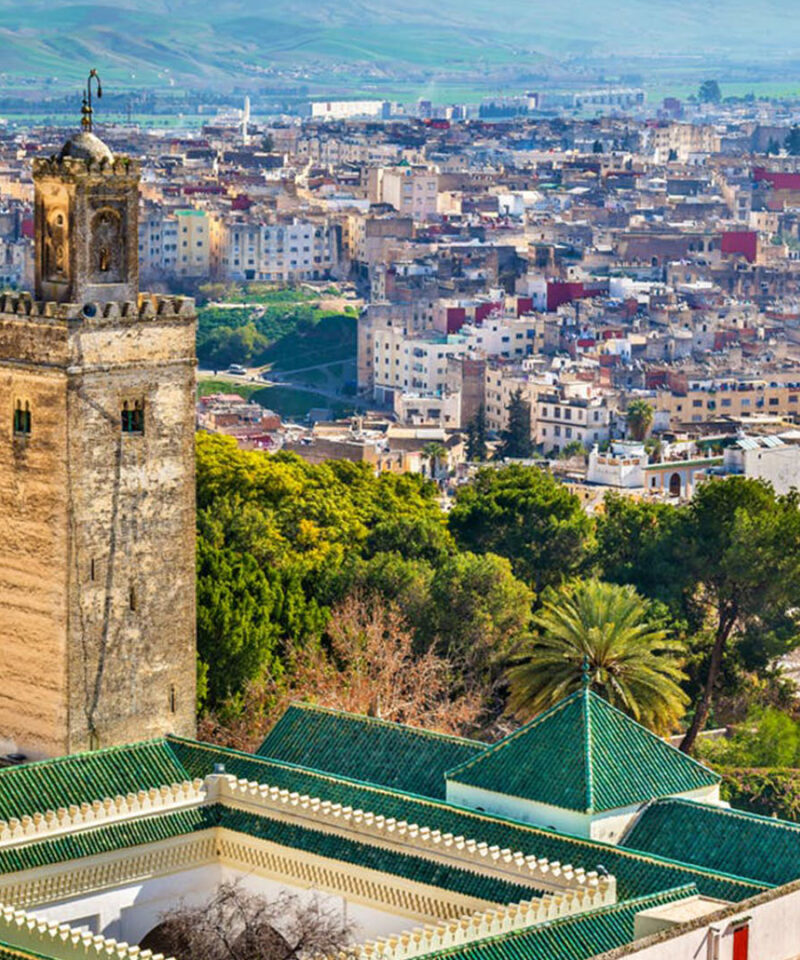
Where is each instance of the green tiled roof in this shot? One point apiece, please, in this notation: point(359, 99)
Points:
point(50, 784)
point(731, 840)
point(377, 858)
point(637, 874)
point(389, 754)
point(116, 836)
point(149, 829)
point(569, 938)
point(7, 952)
point(583, 754)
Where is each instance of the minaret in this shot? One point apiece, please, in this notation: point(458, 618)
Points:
point(97, 384)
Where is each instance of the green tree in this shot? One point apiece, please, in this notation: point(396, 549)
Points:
point(414, 536)
point(773, 147)
point(639, 418)
point(597, 147)
point(524, 514)
point(476, 436)
point(709, 92)
point(630, 657)
point(237, 638)
point(477, 615)
point(267, 143)
point(744, 563)
point(792, 141)
point(516, 440)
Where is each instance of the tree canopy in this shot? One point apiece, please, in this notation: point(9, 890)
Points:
point(524, 514)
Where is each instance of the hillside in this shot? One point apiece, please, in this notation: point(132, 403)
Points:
point(143, 41)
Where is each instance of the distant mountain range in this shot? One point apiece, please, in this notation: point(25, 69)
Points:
point(201, 43)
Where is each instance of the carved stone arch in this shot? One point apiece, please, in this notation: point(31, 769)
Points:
point(107, 246)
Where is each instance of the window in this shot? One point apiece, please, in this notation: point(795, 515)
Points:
point(133, 417)
point(22, 419)
point(132, 598)
point(173, 699)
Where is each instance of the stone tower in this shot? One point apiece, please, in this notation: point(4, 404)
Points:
point(97, 565)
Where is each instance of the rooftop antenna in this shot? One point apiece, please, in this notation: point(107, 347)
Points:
point(86, 108)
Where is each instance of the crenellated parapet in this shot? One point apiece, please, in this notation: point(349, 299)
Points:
point(466, 852)
point(148, 307)
point(43, 826)
point(420, 941)
point(76, 167)
point(27, 932)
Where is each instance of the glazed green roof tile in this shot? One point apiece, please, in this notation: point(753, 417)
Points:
point(637, 874)
point(149, 829)
point(731, 840)
point(585, 755)
point(365, 748)
point(568, 938)
point(50, 784)
point(372, 857)
point(9, 952)
point(116, 836)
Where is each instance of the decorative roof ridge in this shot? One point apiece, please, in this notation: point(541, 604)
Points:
point(587, 749)
point(687, 890)
point(380, 721)
point(491, 748)
point(42, 826)
point(27, 931)
point(463, 851)
point(492, 924)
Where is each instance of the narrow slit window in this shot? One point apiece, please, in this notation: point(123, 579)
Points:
point(132, 417)
point(92, 569)
point(173, 699)
point(132, 598)
point(22, 419)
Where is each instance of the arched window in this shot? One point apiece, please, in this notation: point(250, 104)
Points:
point(22, 419)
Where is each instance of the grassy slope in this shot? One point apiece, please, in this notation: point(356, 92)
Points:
point(197, 42)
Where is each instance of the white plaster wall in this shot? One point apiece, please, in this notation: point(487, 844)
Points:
point(607, 825)
point(129, 912)
point(774, 934)
point(542, 814)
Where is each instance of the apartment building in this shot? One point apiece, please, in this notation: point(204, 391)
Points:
point(411, 190)
point(416, 363)
point(286, 252)
point(572, 413)
point(502, 380)
point(158, 242)
point(735, 397)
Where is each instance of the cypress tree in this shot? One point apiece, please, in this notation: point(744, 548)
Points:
point(516, 439)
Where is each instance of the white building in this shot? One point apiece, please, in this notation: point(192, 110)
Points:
point(279, 252)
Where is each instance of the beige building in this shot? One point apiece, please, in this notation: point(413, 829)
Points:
point(97, 566)
point(194, 244)
point(411, 190)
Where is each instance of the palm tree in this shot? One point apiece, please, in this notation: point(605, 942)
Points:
point(435, 453)
point(639, 418)
point(631, 660)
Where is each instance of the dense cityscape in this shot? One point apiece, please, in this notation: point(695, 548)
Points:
point(401, 524)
